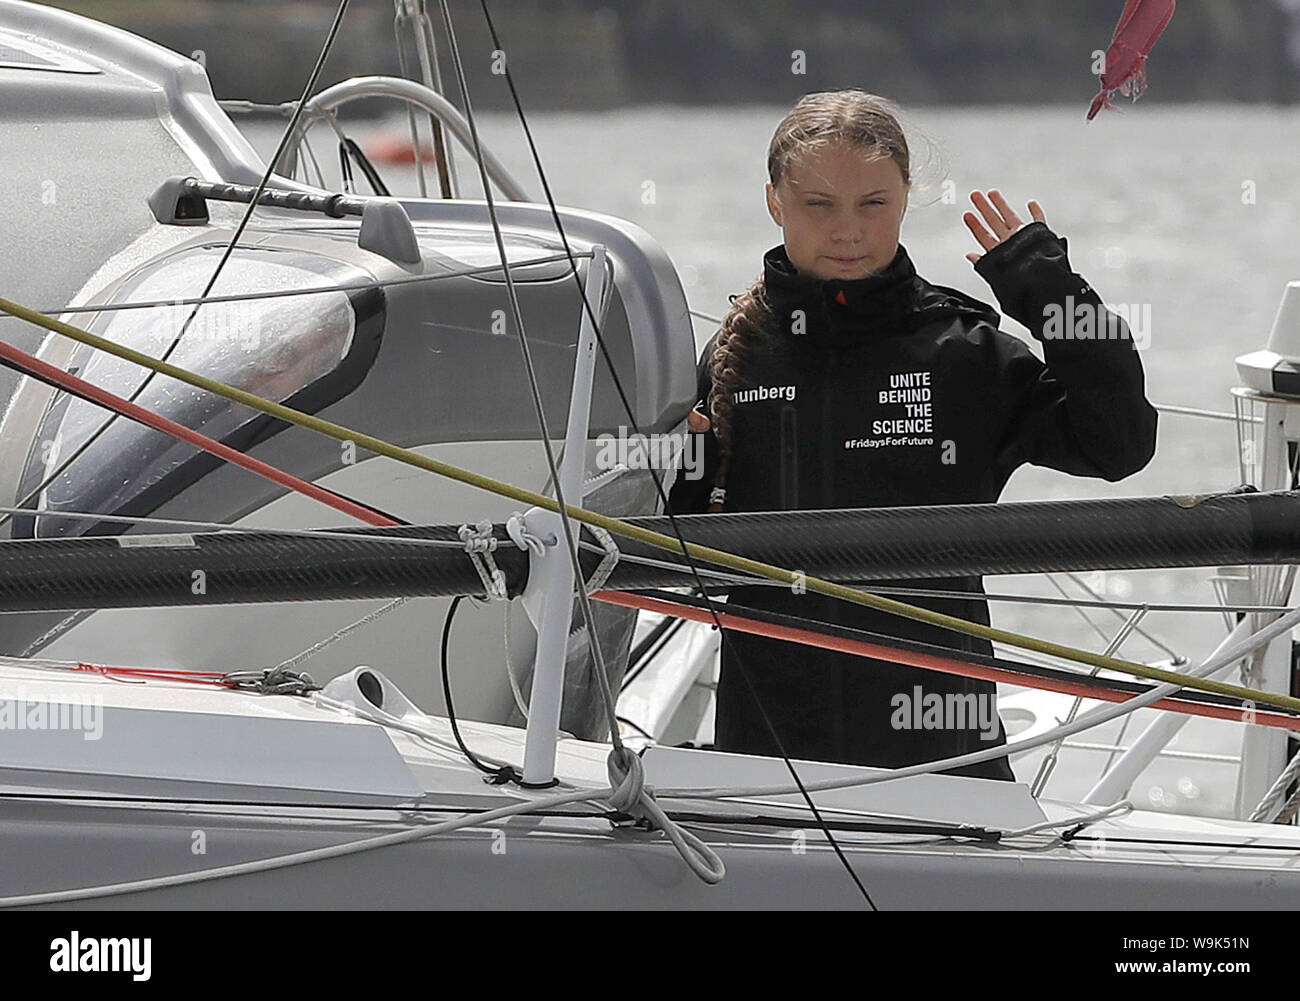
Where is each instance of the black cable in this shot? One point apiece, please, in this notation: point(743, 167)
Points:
point(640, 660)
point(618, 385)
point(500, 775)
point(971, 831)
point(367, 168)
point(641, 730)
point(650, 640)
point(945, 830)
point(345, 167)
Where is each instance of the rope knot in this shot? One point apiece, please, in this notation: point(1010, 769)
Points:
point(479, 544)
point(627, 778)
point(522, 537)
point(629, 795)
point(478, 539)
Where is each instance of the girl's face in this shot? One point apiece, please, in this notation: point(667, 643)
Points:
point(840, 212)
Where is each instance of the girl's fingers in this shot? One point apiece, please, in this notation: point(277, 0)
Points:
point(1001, 217)
point(995, 221)
point(1009, 217)
point(986, 239)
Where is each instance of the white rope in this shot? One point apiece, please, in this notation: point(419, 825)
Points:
point(1122, 808)
point(298, 858)
point(1267, 810)
point(627, 793)
point(632, 796)
point(510, 667)
point(1098, 716)
point(479, 543)
point(1289, 809)
point(533, 544)
point(522, 537)
point(607, 565)
point(311, 651)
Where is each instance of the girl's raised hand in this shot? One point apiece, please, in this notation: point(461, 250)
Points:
point(1000, 216)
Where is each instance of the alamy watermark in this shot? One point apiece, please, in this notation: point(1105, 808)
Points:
point(920, 710)
point(19, 711)
point(239, 321)
point(1088, 321)
point(651, 451)
point(91, 954)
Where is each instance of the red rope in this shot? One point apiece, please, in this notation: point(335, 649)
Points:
point(154, 674)
point(79, 387)
point(730, 620)
point(1094, 689)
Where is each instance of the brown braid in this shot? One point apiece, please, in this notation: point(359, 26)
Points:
point(745, 325)
point(862, 120)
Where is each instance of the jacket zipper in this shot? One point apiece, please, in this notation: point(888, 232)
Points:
point(789, 459)
point(827, 430)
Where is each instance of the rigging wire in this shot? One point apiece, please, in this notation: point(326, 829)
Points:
point(930, 656)
point(281, 293)
point(771, 729)
point(338, 634)
point(750, 580)
point(683, 547)
point(218, 526)
point(1096, 717)
point(637, 652)
point(560, 499)
point(620, 753)
point(625, 529)
point(21, 361)
point(628, 792)
point(1092, 593)
point(239, 231)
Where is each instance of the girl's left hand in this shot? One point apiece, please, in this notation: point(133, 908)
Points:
point(1000, 217)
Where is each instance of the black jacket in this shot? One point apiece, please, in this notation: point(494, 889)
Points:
point(891, 391)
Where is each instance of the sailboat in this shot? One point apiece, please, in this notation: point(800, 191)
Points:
point(208, 700)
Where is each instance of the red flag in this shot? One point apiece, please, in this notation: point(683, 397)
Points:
point(1125, 68)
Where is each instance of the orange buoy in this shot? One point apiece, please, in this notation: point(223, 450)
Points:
point(394, 147)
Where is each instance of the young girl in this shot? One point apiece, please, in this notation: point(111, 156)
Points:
point(843, 379)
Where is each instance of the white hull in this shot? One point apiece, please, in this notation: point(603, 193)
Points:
point(305, 776)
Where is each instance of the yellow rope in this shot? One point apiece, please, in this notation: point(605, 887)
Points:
point(622, 528)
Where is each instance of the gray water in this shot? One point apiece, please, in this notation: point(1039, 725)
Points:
point(1153, 202)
